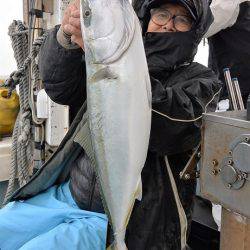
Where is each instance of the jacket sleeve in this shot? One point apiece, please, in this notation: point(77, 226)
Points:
point(62, 72)
point(225, 13)
point(177, 104)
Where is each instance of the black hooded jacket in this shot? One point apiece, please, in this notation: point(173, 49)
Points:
point(230, 48)
point(182, 91)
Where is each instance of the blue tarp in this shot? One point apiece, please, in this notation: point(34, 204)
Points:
point(51, 220)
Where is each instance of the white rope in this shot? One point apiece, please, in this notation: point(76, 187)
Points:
point(188, 120)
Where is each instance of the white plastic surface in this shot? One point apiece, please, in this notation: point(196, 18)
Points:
point(5, 158)
point(57, 118)
point(57, 124)
point(223, 106)
point(42, 104)
point(216, 212)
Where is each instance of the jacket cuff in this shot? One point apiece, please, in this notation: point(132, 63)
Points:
point(65, 40)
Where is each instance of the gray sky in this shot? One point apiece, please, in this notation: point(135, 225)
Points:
point(9, 11)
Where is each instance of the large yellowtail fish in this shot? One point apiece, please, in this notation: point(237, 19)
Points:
point(119, 105)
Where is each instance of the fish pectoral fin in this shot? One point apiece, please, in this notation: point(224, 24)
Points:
point(138, 193)
point(102, 74)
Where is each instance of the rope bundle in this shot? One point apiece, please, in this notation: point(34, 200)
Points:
point(27, 77)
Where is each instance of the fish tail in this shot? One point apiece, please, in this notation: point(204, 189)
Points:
point(119, 245)
point(119, 242)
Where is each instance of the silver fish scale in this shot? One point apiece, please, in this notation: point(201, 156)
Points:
point(119, 106)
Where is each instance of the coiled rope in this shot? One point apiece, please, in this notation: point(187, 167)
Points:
point(22, 137)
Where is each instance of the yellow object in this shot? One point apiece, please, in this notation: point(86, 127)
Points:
point(9, 108)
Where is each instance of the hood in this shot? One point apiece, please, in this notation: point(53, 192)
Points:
point(172, 49)
point(203, 13)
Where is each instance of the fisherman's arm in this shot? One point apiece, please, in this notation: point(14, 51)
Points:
point(61, 62)
point(184, 99)
point(62, 71)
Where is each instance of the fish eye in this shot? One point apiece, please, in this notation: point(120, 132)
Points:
point(87, 13)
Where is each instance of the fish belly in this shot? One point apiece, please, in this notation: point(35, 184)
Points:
point(120, 120)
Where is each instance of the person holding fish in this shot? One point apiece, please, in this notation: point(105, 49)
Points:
point(181, 91)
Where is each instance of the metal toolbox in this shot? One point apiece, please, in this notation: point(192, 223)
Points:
point(225, 160)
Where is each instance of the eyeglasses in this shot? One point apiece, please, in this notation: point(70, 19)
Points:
point(161, 17)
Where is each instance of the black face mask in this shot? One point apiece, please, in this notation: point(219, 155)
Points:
point(167, 51)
